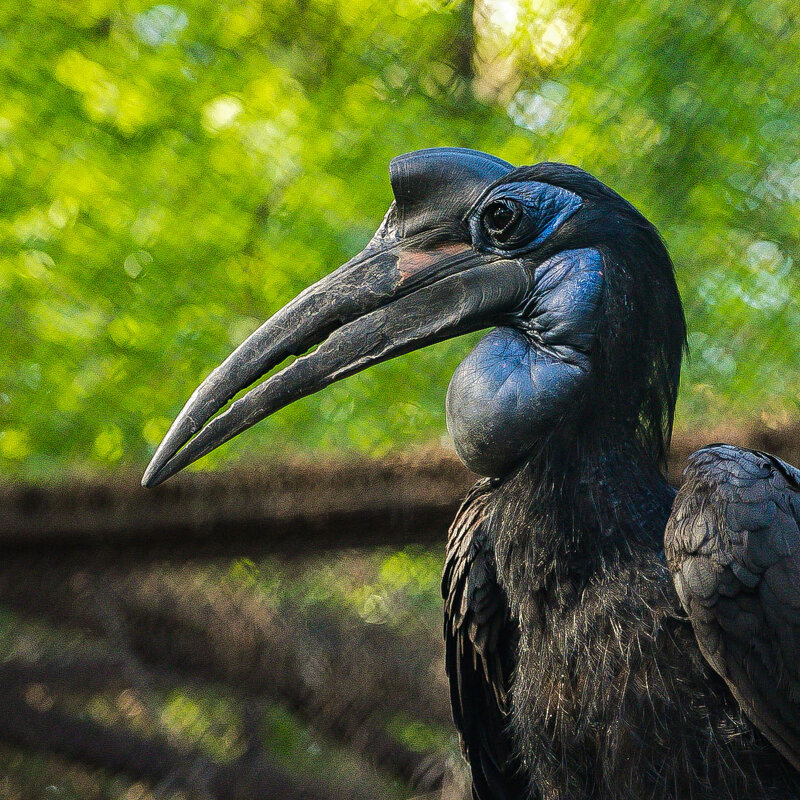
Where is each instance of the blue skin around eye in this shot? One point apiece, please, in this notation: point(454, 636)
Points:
point(551, 205)
point(519, 382)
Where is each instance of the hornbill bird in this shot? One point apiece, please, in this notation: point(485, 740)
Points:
point(605, 638)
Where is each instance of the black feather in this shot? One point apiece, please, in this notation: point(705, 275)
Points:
point(733, 543)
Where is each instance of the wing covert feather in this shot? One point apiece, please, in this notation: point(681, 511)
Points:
point(733, 546)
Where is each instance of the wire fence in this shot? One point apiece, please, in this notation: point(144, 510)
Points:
point(172, 174)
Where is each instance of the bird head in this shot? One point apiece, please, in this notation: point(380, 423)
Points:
point(578, 286)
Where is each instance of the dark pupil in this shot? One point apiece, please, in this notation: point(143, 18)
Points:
point(499, 217)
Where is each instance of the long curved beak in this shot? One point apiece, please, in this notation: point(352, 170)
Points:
point(394, 297)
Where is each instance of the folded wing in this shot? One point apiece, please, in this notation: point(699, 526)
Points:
point(733, 546)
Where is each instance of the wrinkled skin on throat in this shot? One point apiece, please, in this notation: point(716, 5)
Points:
point(520, 380)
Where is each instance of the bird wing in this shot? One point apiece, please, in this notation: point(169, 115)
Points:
point(479, 640)
point(733, 546)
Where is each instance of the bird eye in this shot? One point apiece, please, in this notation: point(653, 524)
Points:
point(520, 216)
point(500, 220)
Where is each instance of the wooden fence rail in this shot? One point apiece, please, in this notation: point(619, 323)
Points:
point(290, 508)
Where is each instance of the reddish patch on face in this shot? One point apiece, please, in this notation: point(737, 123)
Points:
point(412, 261)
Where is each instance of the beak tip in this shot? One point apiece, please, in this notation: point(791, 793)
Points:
point(167, 461)
point(149, 479)
point(157, 472)
point(154, 474)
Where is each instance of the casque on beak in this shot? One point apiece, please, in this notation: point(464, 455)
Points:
point(418, 281)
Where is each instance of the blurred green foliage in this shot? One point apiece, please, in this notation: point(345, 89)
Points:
point(400, 588)
point(172, 174)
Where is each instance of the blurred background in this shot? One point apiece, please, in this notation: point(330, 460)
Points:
point(170, 175)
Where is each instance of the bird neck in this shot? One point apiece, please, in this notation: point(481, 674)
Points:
point(575, 506)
